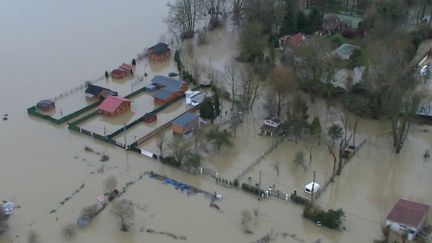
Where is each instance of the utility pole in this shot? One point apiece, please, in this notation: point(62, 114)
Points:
point(124, 132)
point(259, 184)
point(313, 185)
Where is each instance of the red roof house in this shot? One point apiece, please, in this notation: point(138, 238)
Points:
point(297, 39)
point(119, 73)
point(294, 40)
point(127, 67)
point(407, 216)
point(122, 71)
point(114, 105)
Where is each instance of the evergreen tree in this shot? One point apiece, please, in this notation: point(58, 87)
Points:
point(315, 129)
point(289, 21)
point(335, 132)
point(301, 22)
point(217, 105)
point(207, 110)
point(314, 20)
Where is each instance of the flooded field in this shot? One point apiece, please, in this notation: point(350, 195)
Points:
point(42, 164)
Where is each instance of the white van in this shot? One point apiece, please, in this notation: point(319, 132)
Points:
point(308, 188)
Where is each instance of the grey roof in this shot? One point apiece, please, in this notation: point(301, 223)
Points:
point(346, 50)
point(185, 119)
point(164, 92)
point(45, 104)
point(159, 48)
point(166, 81)
point(94, 89)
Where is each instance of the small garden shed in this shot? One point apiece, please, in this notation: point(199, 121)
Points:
point(45, 105)
point(149, 118)
point(187, 123)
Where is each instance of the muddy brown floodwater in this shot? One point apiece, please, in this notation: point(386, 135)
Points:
point(50, 46)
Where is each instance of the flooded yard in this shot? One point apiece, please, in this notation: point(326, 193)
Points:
point(101, 124)
point(164, 116)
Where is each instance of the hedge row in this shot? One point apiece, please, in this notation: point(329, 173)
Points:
point(299, 200)
point(84, 118)
point(170, 161)
point(252, 189)
point(135, 93)
point(34, 112)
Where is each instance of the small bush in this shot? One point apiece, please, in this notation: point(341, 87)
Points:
point(337, 40)
point(236, 183)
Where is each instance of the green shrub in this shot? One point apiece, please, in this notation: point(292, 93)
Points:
point(178, 60)
point(236, 183)
point(330, 218)
point(337, 40)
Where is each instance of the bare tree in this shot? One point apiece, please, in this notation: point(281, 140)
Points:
point(312, 64)
point(125, 212)
point(182, 17)
point(237, 9)
point(251, 87)
point(282, 82)
point(110, 184)
point(402, 116)
point(214, 9)
point(160, 143)
point(235, 123)
point(179, 149)
point(232, 80)
point(349, 129)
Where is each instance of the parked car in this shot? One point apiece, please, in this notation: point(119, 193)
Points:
point(308, 188)
point(172, 74)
